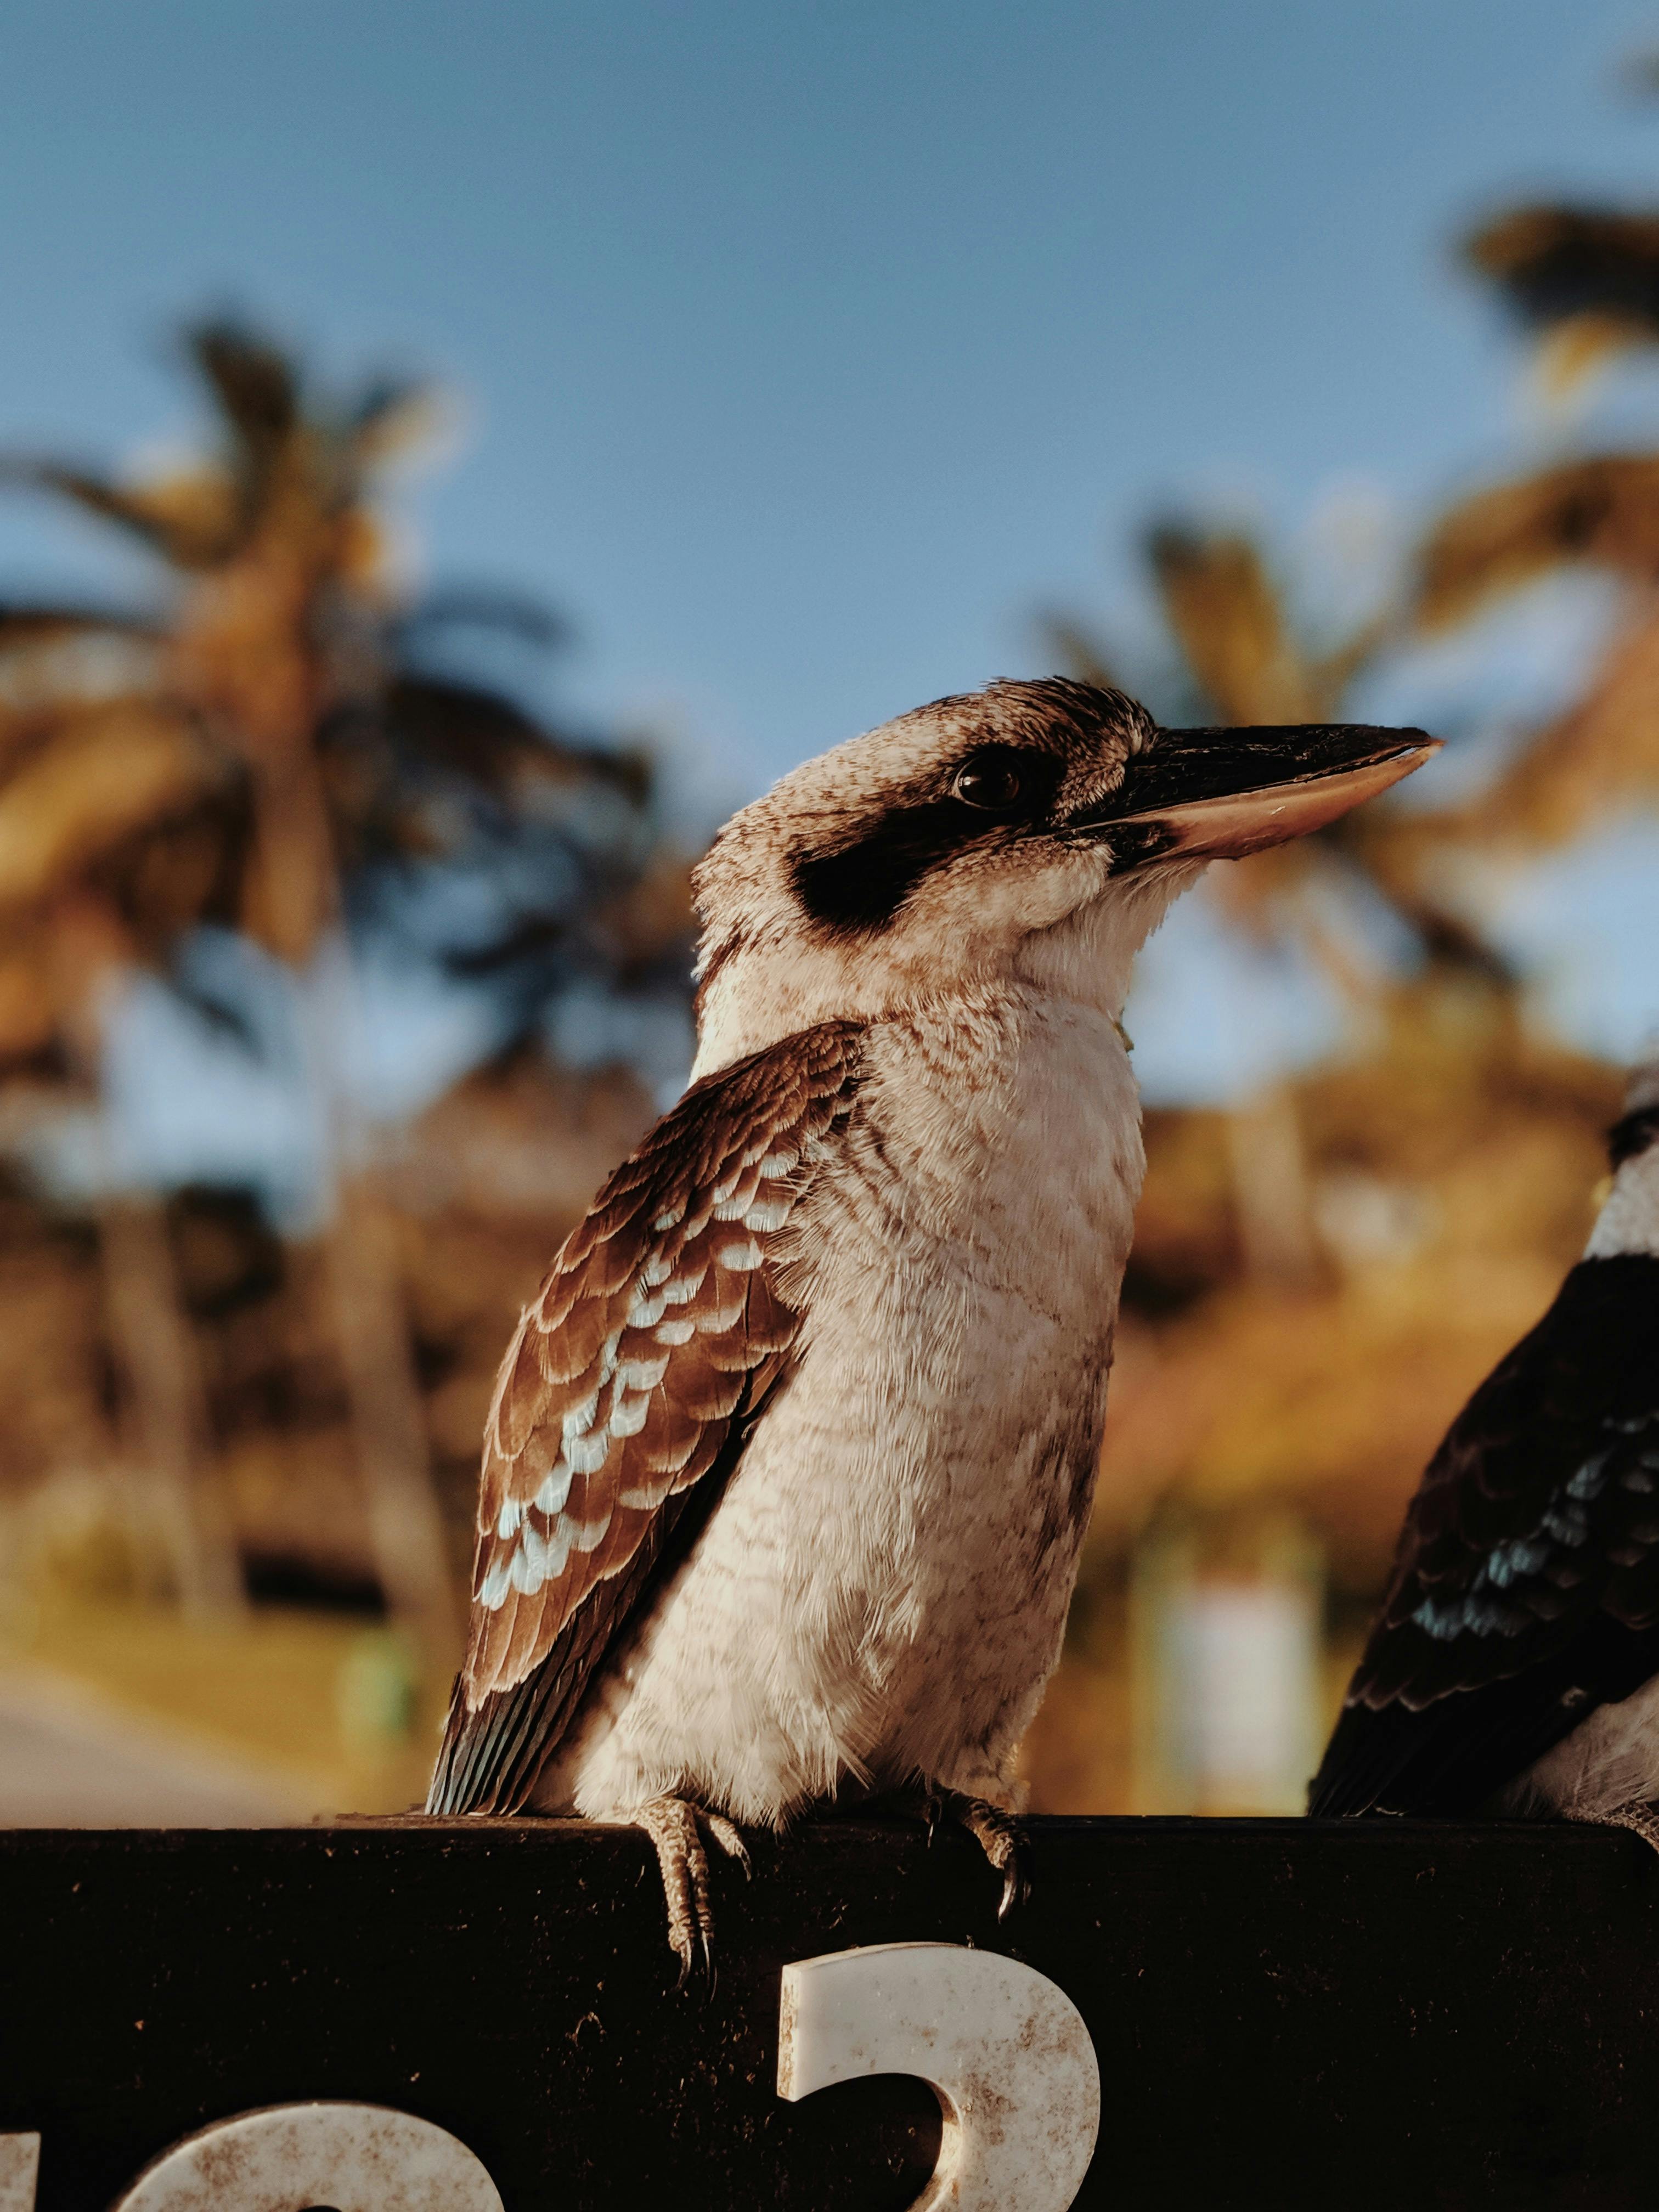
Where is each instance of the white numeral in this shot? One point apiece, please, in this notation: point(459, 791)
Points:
point(357, 2158)
point(1006, 2051)
point(19, 2164)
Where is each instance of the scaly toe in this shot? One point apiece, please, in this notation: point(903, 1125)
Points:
point(672, 1827)
point(998, 1835)
point(726, 1833)
point(1638, 1816)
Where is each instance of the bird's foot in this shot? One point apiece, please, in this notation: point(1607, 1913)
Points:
point(1638, 1816)
point(993, 1828)
point(998, 1835)
point(673, 1824)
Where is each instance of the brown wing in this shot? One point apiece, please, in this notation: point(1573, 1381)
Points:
point(632, 1378)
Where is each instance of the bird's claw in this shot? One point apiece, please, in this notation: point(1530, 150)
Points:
point(998, 1835)
point(996, 1831)
point(727, 1835)
point(1015, 1886)
point(918, 1801)
point(671, 1823)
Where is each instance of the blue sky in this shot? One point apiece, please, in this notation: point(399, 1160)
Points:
point(807, 346)
point(809, 349)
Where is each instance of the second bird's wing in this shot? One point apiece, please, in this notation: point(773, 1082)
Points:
point(624, 1398)
point(1526, 1587)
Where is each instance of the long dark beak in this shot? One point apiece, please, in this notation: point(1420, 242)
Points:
point(1214, 795)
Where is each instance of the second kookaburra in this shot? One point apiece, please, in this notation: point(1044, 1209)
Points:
point(789, 1461)
point(1515, 1665)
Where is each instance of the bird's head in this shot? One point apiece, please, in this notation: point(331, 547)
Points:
point(1032, 831)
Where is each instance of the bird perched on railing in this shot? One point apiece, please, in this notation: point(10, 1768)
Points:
point(1515, 1665)
point(790, 1460)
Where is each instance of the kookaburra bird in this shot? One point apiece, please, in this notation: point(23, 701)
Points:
point(1515, 1665)
point(790, 1459)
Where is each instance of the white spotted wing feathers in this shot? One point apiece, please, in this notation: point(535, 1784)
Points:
point(657, 1328)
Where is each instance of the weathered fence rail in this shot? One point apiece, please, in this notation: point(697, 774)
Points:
point(1377, 2014)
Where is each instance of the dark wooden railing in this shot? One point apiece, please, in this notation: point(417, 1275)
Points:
point(1386, 2014)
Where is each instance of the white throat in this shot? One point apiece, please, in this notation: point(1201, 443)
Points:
point(1629, 1221)
point(764, 991)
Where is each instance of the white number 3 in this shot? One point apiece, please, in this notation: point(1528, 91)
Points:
point(1006, 2051)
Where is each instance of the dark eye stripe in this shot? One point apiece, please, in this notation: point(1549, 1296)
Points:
point(858, 891)
point(1631, 1135)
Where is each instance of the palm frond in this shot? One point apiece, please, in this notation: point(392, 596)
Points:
point(28, 1005)
point(1590, 763)
point(479, 607)
point(26, 625)
point(253, 383)
point(1330, 674)
point(181, 534)
point(1583, 281)
point(1569, 353)
point(476, 735)
point(1223, 609)
point(1604, 510)
point(109, 772)
point(1223, 605)
point(1399, 853)
point(1554, 263)
point(390, 417)
point(1078, 652)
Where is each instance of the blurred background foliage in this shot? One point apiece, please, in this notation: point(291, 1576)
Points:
point(1324, 1270)
point(242, 793)
point(243, 1406)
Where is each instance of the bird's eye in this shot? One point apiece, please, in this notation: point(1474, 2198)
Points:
point(989, 781)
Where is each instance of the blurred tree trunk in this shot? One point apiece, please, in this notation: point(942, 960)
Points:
point(388, 1420)
point(156, 1352)
point(291, 894)
point(250, 650)
point(1271, 1196)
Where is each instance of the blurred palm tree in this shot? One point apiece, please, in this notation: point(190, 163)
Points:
point(1602, 754)
point(1452, 1151)
point(269, 752)
point(1585, 283)
point(1243, 659)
